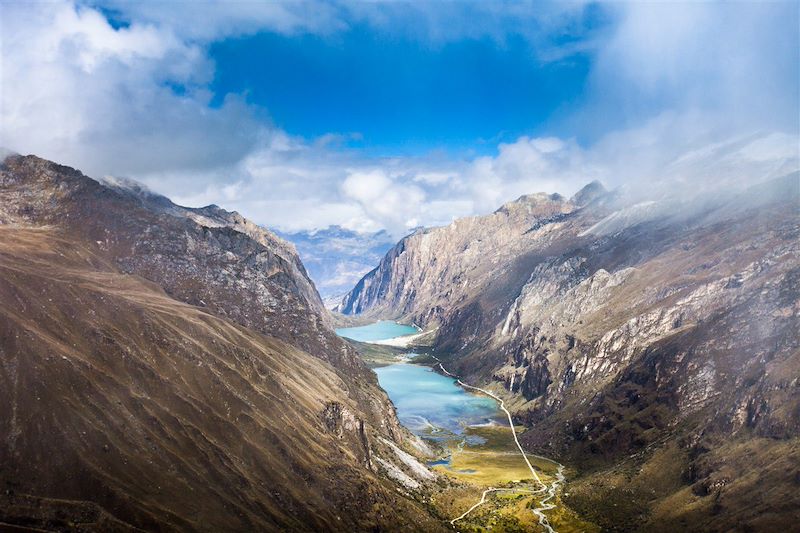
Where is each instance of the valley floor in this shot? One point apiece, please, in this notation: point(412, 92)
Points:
point(523, 490)
point(495, 485)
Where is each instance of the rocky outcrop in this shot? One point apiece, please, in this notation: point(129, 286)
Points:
point(420, 276)
point(207, 257)
point(616, 328)
point(166, 368)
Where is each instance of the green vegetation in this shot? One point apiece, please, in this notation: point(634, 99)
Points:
point(484, 457)
point(495, 462)
point(376, 355)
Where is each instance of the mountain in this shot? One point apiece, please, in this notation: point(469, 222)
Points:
point(337, 258)
point(432, 267)
point(165, 368)
point(651, 345)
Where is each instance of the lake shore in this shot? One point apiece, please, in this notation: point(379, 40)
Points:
point(401, 342)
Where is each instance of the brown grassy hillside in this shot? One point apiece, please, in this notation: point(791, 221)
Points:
point(122, 402)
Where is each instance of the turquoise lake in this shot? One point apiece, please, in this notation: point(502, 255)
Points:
point(378, 331)
point(428, 403)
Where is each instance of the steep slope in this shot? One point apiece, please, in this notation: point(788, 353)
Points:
point(206, 257)
point(627, 334)
point(415, 278)
point(160, 374)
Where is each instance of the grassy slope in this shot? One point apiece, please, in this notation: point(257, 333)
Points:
point(497, 463)
point(119, 400)
point(754, 485)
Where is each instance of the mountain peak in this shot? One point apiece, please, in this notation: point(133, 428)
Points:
point(589, 193)
point(526, 202)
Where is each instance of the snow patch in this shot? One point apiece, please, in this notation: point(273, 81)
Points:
point(624, 218)
point(398, 475)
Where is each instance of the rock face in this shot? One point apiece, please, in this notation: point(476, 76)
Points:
point(431, 268)
point(206, 257)
point(624, 334)
point(165, 368)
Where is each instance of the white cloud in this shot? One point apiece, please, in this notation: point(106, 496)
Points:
point(707, 95)
point(737, 63)
point(434, 178)
point(215, 19)
point(367, 186)
point(390, 202)
point(77, 90)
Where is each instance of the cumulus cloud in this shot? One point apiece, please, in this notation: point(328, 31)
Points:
point(697, 94)
point(392, 201)
point(128, 100)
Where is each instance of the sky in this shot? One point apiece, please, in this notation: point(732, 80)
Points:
point(392, 115)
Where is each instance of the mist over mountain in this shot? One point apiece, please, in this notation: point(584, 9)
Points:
point(653, 345)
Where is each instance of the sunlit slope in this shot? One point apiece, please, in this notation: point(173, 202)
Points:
point(619, 333)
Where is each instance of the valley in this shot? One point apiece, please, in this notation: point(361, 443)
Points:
point(558, 365)
point(170, 369)
point(504, 487)
point(645, 345)
point(407, 266)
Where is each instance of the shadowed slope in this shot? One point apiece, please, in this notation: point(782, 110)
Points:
point(163, 415)
point(173, 368)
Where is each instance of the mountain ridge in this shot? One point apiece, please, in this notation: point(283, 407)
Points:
point(138, 344)
point(614, 336)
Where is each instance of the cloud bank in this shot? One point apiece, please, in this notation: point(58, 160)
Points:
point(683, 95)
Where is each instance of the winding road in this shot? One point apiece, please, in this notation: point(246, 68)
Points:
point(483, 499)
point(551, 489)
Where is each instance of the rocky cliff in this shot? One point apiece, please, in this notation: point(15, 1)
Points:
point(165, 368)
point(428, 270)
point(651, 344)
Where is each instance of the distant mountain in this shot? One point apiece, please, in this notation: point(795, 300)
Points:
point(172, 369)
point(652, 345)
point(336, 258)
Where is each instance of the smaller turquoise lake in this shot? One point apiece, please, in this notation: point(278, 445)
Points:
point(378, 331)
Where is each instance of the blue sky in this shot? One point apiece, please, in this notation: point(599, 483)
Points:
point(396, 95)
point(389, 115)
